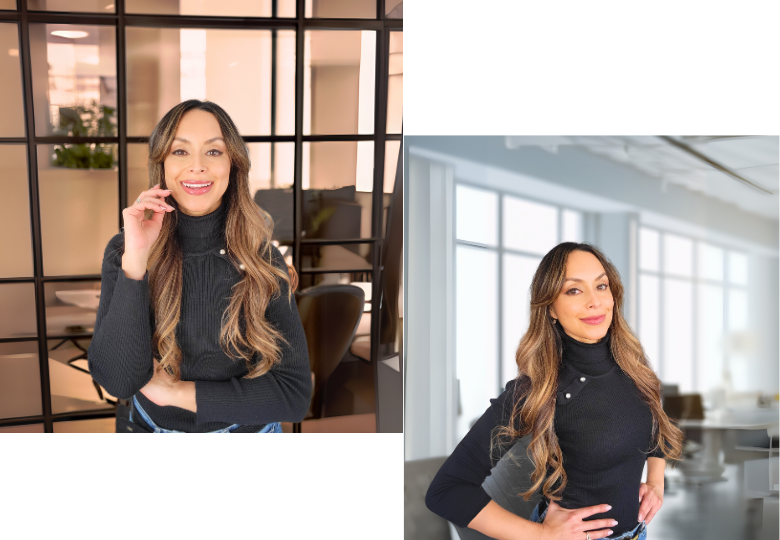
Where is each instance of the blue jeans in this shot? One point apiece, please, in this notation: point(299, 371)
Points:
point(638, 533)
point(274, 427)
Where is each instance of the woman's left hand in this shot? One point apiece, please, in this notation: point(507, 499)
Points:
point(161, 390)
point(651, 497)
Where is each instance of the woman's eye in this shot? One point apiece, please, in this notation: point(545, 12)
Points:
point(572, 291)
point(176, 152)
point(605, 285)
point(215, 152)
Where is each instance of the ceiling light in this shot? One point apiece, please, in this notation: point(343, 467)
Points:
point(70, 34)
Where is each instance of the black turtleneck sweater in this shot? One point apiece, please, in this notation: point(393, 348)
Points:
point(603, 428)
point(120, 354)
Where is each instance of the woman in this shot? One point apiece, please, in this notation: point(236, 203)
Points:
point(198, 286)
point(591, 404)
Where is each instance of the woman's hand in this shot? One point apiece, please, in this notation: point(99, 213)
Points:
point(141, 233)
point(652, 497)
point(161, 390)
point(563, 524)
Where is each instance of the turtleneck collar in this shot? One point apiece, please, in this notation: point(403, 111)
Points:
point(201, 233)
point(588, 358)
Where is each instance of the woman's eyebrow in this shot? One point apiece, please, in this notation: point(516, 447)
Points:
point(578, 279)
point(182, 139)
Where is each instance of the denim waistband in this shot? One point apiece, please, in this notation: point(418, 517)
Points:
point(540, 512)
point(274, 427)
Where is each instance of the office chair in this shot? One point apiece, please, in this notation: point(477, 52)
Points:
point(330, 315)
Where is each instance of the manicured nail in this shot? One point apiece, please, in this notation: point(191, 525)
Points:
point(609, 507)
point(640, 517)
point(613, 523)
point(609, 533)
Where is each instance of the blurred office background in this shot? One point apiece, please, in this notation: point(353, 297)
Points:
point(315, 88)
point(691, 223)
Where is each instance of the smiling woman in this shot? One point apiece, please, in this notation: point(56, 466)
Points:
point(196, 286)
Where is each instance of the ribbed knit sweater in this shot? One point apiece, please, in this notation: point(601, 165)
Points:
point(603, 428)
point(120, 354)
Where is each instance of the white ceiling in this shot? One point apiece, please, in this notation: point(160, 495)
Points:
point(753, 158)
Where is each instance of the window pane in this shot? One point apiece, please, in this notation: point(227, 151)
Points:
point(98, 425)
point(649, 298)
point(476, 214)
point(270, 182)
point(20, 383)
point(71, 307)
point(517, 276)
point(476, 336)
point(341, 9)
point(137, 173)
point(8, 4)
point(392, 148)
point(678, 334)
point(394, 9)
point(168, 65)
point(285, 8)
point(234, 8)
point(738, 268)
point(72, 388)
point(100, 6)
point(27, 428)
point(12, 120)
point(337, 257)
point(17, 310)
point(678, 255)
point(285, 82)
point(648, 249)
point(16, 215)
point(710, 262)
point(738, 310)
point(572, 226)
point(529, 226)
point(74, 79)
point(710, 319)
point(339, 82)
point(79, 206)
point(337, 184)
point(395, 83)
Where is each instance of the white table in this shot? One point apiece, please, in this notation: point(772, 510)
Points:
point(709, 466)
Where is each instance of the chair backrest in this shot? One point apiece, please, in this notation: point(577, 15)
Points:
point(330, 315)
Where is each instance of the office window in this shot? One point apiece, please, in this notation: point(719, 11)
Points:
point(687, 309)
point(529, 226)
point(12, 120)
point(341, 9)
point(493, 270)
point(476, 213)
point(476, 332)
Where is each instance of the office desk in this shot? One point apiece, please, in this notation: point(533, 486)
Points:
point(709, 467)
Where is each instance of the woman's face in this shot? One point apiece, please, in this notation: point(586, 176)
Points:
point(584, 304)
point(198, 155)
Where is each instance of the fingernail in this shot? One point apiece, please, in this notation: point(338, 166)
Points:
point(614, 522)
point(609, 533)
point(640, 517)
point(609, 507)
point(157, 185)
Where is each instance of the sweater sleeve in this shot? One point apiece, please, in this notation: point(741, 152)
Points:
point(280, 395)
point(456, 492)
point(120, 353)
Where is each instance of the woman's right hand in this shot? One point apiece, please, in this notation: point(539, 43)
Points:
point(141, 233)
point(564, 524)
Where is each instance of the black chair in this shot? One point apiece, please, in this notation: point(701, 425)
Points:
point(330, 315)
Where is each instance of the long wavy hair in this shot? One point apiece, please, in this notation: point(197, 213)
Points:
point(248, 234)
point(539, 358)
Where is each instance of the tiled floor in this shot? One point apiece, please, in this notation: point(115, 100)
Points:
point(712, 511)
